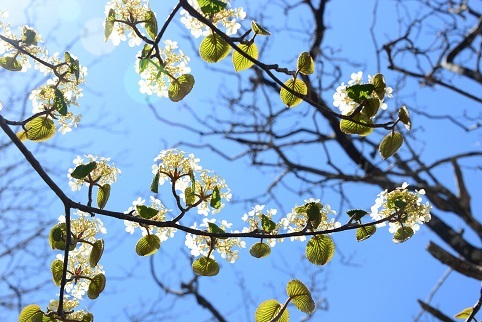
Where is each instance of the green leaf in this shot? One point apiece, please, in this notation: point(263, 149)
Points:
point(402, 234)
point(145, 51)
point(379, 85)
point(350, 127)
point(296, 85)
point(180, 87)
point(404, 117)
point(400, 203)
point(151, 24)
point(96, 252)
point(155, 183)
point(31, 313)
point(59, 102)
point(320, 249)
point(258, 29)
point(371, 107)
point(148, 245)
point(11, 64)
point(215, 198)
point(57, 236)
point(88, 317)
point(193, 181)
point(73, 65)
point(109, 24)
point(189, 196)
point(213, 228)
point(300, 296)
point(40, 129)
point(464, 314)
point(205, 266)
point(314, 215)
point(96, 286)
point(22, 136)
point(83, 170)
point(103, 195)
point(390, 144)
point(267, 224)
point(214, 49)
point(211, 7)
point(146, 212)
point(239, 61)
point(305, 63)
point(365, 232)
point(357, 214)
point(267, 310)
point(359, 92)
point(260, 250)
point(56, 268)
point(29, 37)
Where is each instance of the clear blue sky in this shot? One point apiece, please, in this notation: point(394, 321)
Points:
point(371, 281)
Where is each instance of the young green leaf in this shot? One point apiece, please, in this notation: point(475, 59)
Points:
point(357, 214)
point(155, 183)
point(296, 85)
point(371, 107)
point(258, 29)
point(151, 24)
point(205, 266)
point(40, 129)
point(269, 309)
point(22, 136)
point(260, 250)
point(96, 252)
point(402, 234)
point(189, 196)
point(350, 127)
point(365, 232)
point(29, 37)
point(73, 65)
point(359, 92)
point(314, 214)
point(211, 7)
point(83, 170)
point(109, 24)
point(267, 224)
point(180, 87)
point(146, 212)
point(59, 102)
point(404, 117)
point(31, 313)
point(300, 296)
point(148, 245)
point(239, 61)
point(103, 195)
point(215, 198)
point(56, 268)
point(390, 144)
point(213, 228)
point(464, 314)
point(320, 249)
point(213, 49)
point(96, 286)
point(11, 64)
point(305, 63)
point(379, 85)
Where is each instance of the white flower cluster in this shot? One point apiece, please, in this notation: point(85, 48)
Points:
point(164, 233)
point(133, 10)
point(85, 228)
point(179, 167)
point(348, 105)
point(68, 305)
point(103, 173)
point(409, 205)
point(254, 219)
point(228, 18)
point(297, 219)
point(155, 80)
point(202, 245)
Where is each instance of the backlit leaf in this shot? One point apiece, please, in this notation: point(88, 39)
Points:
point(146, 212)
point(179, 88)
point(296, 85)
point(365, 232)
point(390, 144)
point(402, 234)
point(371, 107)
point(239, 61)
point(109, 24)
point(103, 195)
point(96, 286)
point(31, 313)
point(464, 314)
point(56, 268)
point(10, 63)
point(148, 245)
point(300, 296)
point(359, 92)
point(211, 7)
point(83, 170)
point(213, 228)
point(305, 63)
point(59, 102)
point(214, 49)
point(155, 183)
point(258, 29)
point(320, 249)
point(379, 85)
point(40, 129)
point(314, 214)
point(350, 127)
point(267, 310)
point(215, 198)
point(205, 266)
point(96, 252)
point(260, 250)
point(404, 117)
point(356, 214)
point(151, 24)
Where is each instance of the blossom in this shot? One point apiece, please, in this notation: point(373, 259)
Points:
point(102, 174)
point(227, 18)
point(402, 207)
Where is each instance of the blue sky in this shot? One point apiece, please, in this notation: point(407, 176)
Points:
point(374, 280)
